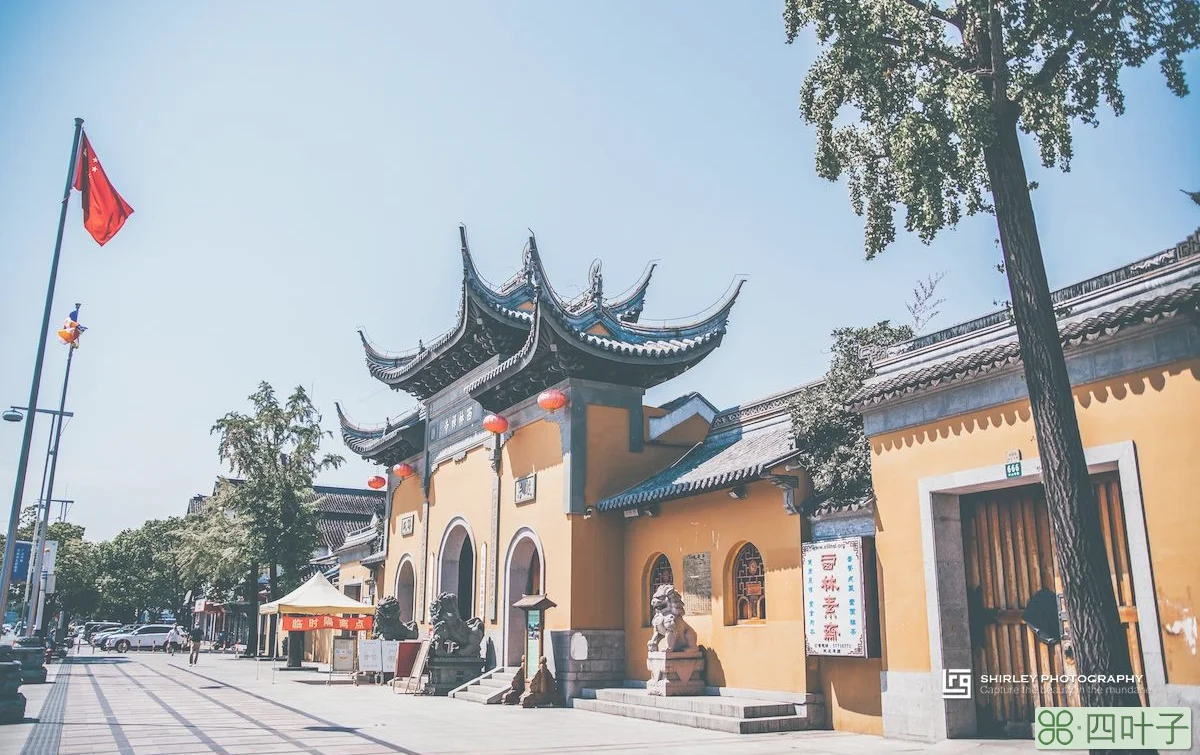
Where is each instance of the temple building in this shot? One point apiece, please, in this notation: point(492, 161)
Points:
point(531, 464)
point(964, 540)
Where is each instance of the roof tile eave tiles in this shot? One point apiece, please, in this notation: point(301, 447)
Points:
point(984, 360)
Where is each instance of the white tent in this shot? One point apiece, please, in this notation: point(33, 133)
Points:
point(316, 596)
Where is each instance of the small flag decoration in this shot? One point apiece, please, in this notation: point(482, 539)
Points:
point(104, 210)
point(71, 330)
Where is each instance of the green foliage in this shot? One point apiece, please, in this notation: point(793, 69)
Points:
point(833, 447)
point(141, 570)
point(215, 547)
point(75, 574)
point(906, 94)
point(276, 451)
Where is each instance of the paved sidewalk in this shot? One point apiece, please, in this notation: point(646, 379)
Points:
point(152, 704)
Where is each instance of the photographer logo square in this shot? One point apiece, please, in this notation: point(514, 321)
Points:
point(956, 684)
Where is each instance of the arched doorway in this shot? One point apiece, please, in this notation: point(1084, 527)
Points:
point(524, 577)
point(457, 573)
point(406, 590)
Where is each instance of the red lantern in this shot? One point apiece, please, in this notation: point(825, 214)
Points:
point(552, 400)
point(403, 471)
point(376, 482)
point(494, 423)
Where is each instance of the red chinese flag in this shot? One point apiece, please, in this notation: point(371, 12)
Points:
point(104, 211)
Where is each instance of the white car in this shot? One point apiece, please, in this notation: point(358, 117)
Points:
point(149, 637)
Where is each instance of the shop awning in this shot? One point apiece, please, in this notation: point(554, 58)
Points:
point(316, 596)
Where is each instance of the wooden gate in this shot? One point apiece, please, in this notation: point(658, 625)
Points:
point(1009, 555)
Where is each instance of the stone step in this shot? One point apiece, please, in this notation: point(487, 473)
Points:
point(695, 720)
point(712, 705)
point(487, 689)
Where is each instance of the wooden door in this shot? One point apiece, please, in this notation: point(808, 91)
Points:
point(1009, 556)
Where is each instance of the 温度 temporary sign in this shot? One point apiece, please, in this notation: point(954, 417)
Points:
point(309, 623)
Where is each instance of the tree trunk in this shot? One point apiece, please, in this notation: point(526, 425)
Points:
point(252, 614)
point(272, 623)
point(1096, 635)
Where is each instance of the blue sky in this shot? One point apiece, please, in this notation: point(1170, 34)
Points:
point(299, 172)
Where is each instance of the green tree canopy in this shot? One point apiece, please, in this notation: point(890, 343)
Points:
point(833, 447)
point(276, 452)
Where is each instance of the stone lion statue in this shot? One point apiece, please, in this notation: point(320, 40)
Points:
point(466, 637)
point(671, 632)
point(387, 622)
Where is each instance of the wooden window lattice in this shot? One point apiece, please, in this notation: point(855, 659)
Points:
point(748, 585)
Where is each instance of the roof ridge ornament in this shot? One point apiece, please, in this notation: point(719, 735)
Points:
point(466, 248)
point(532, 261)
point(596, 283)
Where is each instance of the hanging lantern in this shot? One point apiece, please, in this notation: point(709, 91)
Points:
point(377, 482)
point(495, 424)
point(552, 400)
point(403, 471)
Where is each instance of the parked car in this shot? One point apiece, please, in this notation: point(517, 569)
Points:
point(93, 628)
point(99, 637)
point(149, 637)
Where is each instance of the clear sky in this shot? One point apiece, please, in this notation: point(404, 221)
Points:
point(299, 172)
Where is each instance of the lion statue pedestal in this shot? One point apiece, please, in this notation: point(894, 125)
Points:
point(455, 656)
point(673, 656)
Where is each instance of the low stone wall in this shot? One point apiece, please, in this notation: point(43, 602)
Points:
point(587, 659)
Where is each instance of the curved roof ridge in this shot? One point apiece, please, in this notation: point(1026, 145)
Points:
point(707, 324)
point(517, 360)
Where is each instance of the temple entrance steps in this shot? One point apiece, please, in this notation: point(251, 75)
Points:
point(489, 688)
point(716, 712)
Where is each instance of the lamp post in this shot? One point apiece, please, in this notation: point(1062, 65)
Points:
point(35, 568)
point(16, 414)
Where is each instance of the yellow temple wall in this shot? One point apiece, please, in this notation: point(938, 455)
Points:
point(536, 448)
point(407, 498)
point(1156, 409)
point(764, 656)
point(599, 542)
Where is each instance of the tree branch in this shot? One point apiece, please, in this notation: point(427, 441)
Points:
point(1059, 58)
point(933, 11)
point(942, 55)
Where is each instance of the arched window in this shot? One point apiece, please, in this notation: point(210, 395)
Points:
point(660, 573)
point(749, 586)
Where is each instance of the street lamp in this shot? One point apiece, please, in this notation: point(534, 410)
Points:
point(12, 415)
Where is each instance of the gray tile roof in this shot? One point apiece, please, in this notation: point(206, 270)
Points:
point(679, 401)
point(975, 363)
point(357, 501)
point(818, 506)
point(1161, 286)
point(333, 529)
point(723, 460)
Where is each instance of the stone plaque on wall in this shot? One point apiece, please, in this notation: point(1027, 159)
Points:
point(697, 584)
point(408, 524)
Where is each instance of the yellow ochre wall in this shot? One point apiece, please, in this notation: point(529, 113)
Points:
point(767, 656)
point(1156, 409)
point(599, 542)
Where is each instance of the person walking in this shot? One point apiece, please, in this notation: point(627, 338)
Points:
point(197, 635)
point(174, 640)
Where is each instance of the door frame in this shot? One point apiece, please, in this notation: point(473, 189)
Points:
point(912, 700)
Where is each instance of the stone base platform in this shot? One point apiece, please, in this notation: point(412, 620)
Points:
point(448, 673)
point(715, 712)
point(678, 672)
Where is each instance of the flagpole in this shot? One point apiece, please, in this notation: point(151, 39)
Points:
point(10, 545)
point(35, 575)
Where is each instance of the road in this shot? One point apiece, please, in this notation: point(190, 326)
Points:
point(154, 704)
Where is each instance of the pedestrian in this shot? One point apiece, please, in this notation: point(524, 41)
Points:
point(197, 635)
point(174, 640)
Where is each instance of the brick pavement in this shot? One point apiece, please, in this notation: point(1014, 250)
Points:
point(156, 705)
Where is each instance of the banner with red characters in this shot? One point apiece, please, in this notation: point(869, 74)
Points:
point(308, 623)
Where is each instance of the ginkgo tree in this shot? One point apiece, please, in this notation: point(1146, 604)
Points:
point(920, 105)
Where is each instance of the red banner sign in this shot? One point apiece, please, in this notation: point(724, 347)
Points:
point(308, 623)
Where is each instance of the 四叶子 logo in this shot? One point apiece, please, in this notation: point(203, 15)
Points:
point(956, 683)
